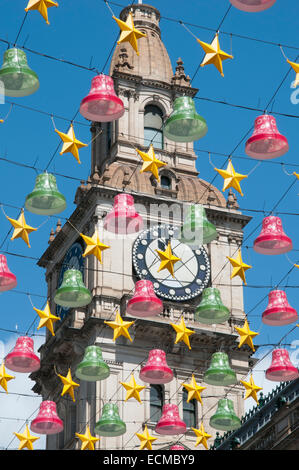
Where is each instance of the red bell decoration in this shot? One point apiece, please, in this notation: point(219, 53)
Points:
point(7, 279)
point(176, 447)
point(252, 6)
point(156, 370)
point(123, 218)
point(266, 142)
point(101, 104)
point(170, 422)
point(272, 239)
point(47, 420)
point(144, 302)
point(279, 312)
point(281, 369)
point(22, 358)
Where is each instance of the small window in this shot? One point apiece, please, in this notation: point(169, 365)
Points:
point(156, 402)
point(165, 182)
point(189, 411)
point(153, 123)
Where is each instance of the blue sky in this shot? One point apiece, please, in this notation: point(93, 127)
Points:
point(84, 32)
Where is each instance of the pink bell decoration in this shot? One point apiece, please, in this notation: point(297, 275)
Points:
point(176, 447)
point(102, 104)
point(272, 239)
point(156, 370)
point(279, 312)
point(123, 218)
point(170, 422)
point(144, 302)
point(266, 142)
point(22, 358)
point(7, 279)
point(47, 420)
point(281, 369)
point(252, 6)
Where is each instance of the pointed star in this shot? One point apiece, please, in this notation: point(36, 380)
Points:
point(239, 267)
point(128, 32)
point(132, 389)
point(68, 384)
point(251, 389)
point(41, 6)
point(295, 67)
point(26, 439)
point(21, 229)
point(46, 318)
point(231, 178)
point(120, 327)
point(182, 333)
point(150, 162)
point(4, 377)
point(193, 390)
point(167, 259)
point(296, 174)
point(94, 246)
point(202, 436)
point(87, 439)
point(246, 335)
point(214, 55)
point(70, 143)
point(145, 439)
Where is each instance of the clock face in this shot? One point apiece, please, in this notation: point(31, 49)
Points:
point(191, 273)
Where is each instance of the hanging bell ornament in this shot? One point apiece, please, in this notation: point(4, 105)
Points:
point(225, 418)
point(219, 373)
point(72, 292)
point(45, 199)
point(123, 218)
point(252, 6)
point(211, 309)
point(281, 369)
point(272, 239)
point(144, 302)
point(266, 142)
point(92, 367)
point(197, 230)
point(156, 370)
point(110, 424)
point(177, 447)
point(22, 357)
point(170, 422)
point(184, 124)
point(18, 79)
point(7, 279)
point(279, 312)
point(47, 420)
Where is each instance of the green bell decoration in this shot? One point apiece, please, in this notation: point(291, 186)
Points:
point(184, 124)
point(18, 79)
point(197, 229)
point(72, 292)
point(225, 418)
point(45, 199)
point(92, 367)
point(211, 309)
point(110, 424)
point(219, 372)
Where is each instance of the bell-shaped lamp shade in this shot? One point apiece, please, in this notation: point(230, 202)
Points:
point(47, 420)
point(281, 368)
point(211, 309)
point(266, 142)
point(92, 367)
point(15, 75)
point(279, 312)
point(110, 424)
point(22, 357)
point(225, 418)
point(72, 293)
point(156, 370)
point(272, 239)
point(45, 199)
point(7, 279)
point(184, 124)
point(123, 218)
point(220, 373)
point(197, 229)
point(144, 302)
point(170, 422)
point(252, 6)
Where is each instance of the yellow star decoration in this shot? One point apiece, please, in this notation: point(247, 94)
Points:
point(26, 439)
point(231, 178)
point(132, 389)
point(94, 246)
point(4, 377)
point(70, 143)
point(21, 229)
point(1, 120)
point(46, 318)
point(295, 67)
point(296, 174)
point(202, 436)
point(214, 55)
point(182, 333)
point(41, 6)
point(246, 335)
point(87, 439)
point(193, 390)
point(251, 389)
point(167, 259)
point(68, 384)
point(120, 327)
point(128, 32)
point(145, 439)
point(150, 162)
point(239, 267)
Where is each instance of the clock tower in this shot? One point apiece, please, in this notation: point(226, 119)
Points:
point(148, 86)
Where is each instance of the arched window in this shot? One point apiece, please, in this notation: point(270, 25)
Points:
point(153, 122)
point(165, 182)
point(156, 402)
point(189, 411)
